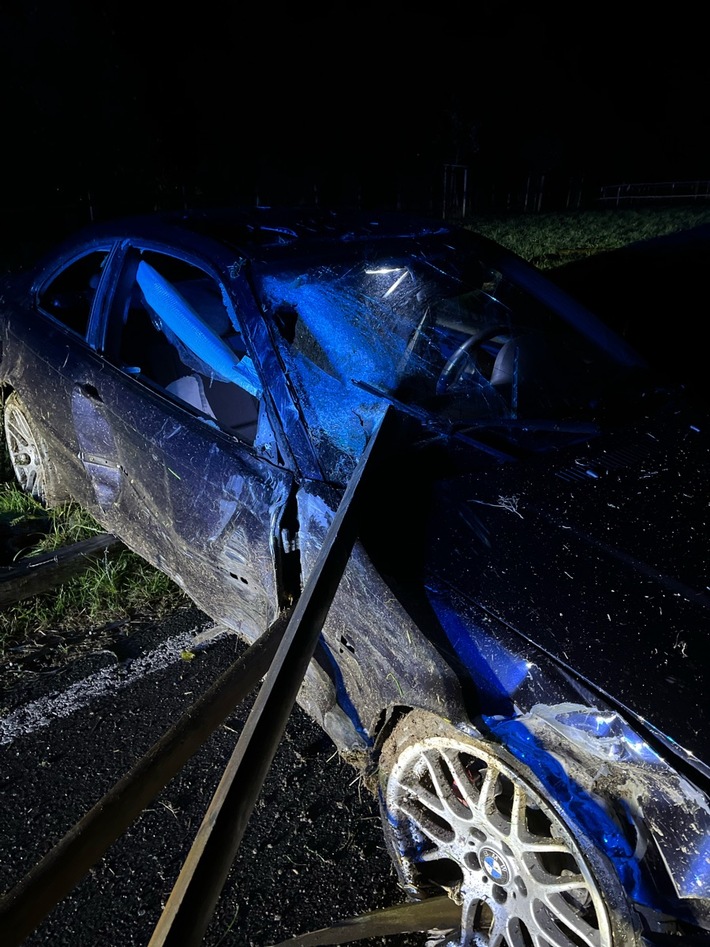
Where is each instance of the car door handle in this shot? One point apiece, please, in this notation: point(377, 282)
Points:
point(89, 391)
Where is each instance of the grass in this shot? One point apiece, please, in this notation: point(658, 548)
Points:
point(121, 585)
point(66, 524)
point(549, 240)
point(14, 504)
point(114, 588)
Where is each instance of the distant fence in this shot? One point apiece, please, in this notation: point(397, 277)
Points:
point(466, 193)
point(618, 194)
point(462, 191)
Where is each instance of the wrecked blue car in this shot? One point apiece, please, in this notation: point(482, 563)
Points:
point(517, 654)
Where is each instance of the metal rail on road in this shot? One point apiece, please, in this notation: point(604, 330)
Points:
point(437, 913)
point(63, 867)
point(44, 571)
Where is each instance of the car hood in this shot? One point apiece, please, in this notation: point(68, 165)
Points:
point(597, 555)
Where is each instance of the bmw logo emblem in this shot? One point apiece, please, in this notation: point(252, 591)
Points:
point(494, 865)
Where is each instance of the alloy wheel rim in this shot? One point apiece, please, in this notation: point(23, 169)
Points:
point(24, 452)
point(466, 822)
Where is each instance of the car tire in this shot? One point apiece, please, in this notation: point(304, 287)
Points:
point(28, 454)
point(463, 816)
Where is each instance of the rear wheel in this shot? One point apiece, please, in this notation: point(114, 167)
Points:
point(28, 454)
point(461, 816)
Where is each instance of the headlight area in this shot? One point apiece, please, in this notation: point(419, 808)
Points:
point(651, 822)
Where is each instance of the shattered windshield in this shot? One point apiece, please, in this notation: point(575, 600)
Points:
point(445, 335)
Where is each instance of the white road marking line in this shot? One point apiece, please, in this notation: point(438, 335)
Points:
point(42, 712)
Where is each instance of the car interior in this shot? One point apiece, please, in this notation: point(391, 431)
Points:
point(179, 362)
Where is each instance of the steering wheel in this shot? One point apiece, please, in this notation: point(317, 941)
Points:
point(467, 354)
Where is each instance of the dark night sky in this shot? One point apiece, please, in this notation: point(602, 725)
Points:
point(101, 96)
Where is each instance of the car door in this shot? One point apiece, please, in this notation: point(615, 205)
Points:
point(49, 330)
point(197, 491)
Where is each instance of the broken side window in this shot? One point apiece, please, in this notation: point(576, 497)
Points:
point(170, 325)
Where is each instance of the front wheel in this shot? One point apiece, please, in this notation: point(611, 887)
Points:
point(461, 816)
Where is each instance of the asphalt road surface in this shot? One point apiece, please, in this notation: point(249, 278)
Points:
point(313, 851)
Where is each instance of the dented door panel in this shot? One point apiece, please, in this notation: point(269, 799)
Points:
point(197, 504)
